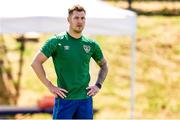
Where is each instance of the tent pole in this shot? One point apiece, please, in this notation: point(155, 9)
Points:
point(133, 65)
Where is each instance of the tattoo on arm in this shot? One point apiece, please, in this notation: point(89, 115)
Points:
point(102, 72)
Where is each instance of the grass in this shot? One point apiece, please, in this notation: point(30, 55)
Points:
point(157, 73)
point(158, 67)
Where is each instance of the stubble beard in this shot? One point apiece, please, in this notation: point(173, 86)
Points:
point(78, 30)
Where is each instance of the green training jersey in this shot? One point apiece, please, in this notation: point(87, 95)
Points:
point(71, 58)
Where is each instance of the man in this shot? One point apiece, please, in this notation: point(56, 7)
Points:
point(71, 53)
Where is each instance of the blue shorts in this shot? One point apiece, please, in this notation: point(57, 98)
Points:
point(73, 109)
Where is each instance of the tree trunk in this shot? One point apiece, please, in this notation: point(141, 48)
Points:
point(7, 86)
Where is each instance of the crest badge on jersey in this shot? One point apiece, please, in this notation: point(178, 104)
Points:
point(87, 48)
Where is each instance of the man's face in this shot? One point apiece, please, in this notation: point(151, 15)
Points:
point(77, 21)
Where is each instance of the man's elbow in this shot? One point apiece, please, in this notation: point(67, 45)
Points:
point(33, 64)
point(105, 67)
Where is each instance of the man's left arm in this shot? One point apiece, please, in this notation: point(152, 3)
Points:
point(101, 77)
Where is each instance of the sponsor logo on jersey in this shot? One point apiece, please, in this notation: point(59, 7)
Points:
point(87, 48)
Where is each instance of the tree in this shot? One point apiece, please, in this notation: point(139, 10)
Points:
point(129, 4)
point(9, 87)
point(8, 92)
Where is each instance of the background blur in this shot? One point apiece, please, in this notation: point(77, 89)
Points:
point(157, 68)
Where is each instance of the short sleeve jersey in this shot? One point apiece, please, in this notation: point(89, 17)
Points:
point(71, 58)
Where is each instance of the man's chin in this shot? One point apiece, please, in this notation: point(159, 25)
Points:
point(78, 31)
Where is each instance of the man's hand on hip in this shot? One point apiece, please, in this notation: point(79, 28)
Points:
point(92, 90)
point(57, 91)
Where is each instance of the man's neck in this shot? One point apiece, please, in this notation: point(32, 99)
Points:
point(74, 34)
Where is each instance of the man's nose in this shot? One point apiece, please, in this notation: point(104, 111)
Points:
point(80, 21)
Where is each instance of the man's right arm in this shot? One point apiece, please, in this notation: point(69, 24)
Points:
point(37, 66)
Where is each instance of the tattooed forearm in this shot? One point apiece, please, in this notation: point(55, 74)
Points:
point(103, 72)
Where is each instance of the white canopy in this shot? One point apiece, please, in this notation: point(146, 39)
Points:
point(22, 16)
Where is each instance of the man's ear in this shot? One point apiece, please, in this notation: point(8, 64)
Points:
point(68, 18)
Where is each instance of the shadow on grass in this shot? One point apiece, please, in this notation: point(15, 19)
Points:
point(164, 12)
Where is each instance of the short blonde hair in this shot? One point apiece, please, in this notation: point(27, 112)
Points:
point(78, 8)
